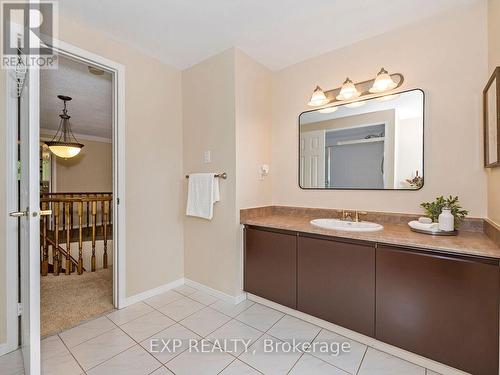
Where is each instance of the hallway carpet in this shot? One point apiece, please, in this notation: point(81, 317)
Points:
point(66, 301)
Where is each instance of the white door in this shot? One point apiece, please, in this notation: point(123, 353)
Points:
point(312, 159)
point(28, 218)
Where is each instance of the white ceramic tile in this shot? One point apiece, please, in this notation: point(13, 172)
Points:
point(12, 363)
point(51, 346)
point(275, 362)
point(147, 325)
point(134, 361)
point(101, 348)
point(86, 331)
point(380, 363)
point(239, 368)
point(290, 328)
point(181, 308)
point(310, 365)
point(186, 290)
point(230, 333)
point(260, 317)
point(199, 363)
point(348, 361)
point(205, 321)
point(155, 346)
point(162, 371)
point(62, 363)
point(129, 313)
point(231, 309)
point(163, 299)
point(203, 297)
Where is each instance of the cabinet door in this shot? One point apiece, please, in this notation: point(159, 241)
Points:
point(271, 266)
point(336, 282)
point(442, 307)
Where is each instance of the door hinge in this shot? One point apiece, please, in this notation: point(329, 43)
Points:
point(19, 309)
point(19, 170)
point(118, 201)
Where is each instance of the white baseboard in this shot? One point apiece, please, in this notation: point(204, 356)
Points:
point(216, 293)
point(5, 348)
point(369, 341)
point(151, 293)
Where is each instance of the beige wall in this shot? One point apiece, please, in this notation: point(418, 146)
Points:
point(208, 91)
point(227, 110)
point(446, 57)
point(3, 212)
point(494, 61)
point(253, 134)
point(153, 153)
point(90, 171)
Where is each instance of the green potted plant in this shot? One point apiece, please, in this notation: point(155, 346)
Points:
point(434, 209)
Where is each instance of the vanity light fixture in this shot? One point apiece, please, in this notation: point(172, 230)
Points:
point(328, 110)
point(383, 82)
point(318, 98)
point(348, 91)
point(64, 144)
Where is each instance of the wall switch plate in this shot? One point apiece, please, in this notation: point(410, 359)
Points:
point(207, 156)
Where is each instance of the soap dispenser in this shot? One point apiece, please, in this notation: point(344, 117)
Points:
point(446, 220)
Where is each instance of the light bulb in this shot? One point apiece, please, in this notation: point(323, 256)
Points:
point(383, 82)
point(318, 98)
point(348, 91)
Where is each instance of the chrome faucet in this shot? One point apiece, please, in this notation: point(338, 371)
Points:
point(352, 215)
point(347, 215)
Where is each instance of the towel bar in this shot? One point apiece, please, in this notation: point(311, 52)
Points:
point(218, 175)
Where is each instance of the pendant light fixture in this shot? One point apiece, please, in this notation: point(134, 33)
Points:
point(64, 144)
point(318, 98)
point(348, 91)
point(383, 82)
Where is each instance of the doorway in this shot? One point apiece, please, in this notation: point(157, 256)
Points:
point(76, 185)
point(28, 335)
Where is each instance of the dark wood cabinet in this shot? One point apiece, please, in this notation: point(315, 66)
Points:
point(271, 265)
point(336, 282)
point(442, 307)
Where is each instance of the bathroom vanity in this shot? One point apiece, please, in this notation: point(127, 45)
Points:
point(436, 297)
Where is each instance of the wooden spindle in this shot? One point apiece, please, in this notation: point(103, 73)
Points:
point(68, 237)
point(88, 217)
point(80, 238)
point(55, 248)
point(94, 219)
point(45, 252)
point(105, 211)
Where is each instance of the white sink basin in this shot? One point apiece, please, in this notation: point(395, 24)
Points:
point(349, 226)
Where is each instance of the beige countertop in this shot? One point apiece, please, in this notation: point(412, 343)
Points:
point(470, 242)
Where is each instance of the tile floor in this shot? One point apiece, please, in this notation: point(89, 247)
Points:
point(120, 343)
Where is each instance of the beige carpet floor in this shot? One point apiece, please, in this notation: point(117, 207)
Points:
point(69, 300)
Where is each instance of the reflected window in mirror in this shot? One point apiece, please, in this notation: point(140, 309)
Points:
point(376, 143)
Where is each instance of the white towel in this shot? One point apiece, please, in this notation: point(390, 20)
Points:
point(203, 192)
point(434, 227)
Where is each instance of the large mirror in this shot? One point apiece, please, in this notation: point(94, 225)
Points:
point(376, 143)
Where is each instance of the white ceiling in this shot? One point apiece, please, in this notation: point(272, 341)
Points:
point(276, 33)
point(91, 107)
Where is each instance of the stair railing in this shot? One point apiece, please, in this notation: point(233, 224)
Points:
point(67, 224)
